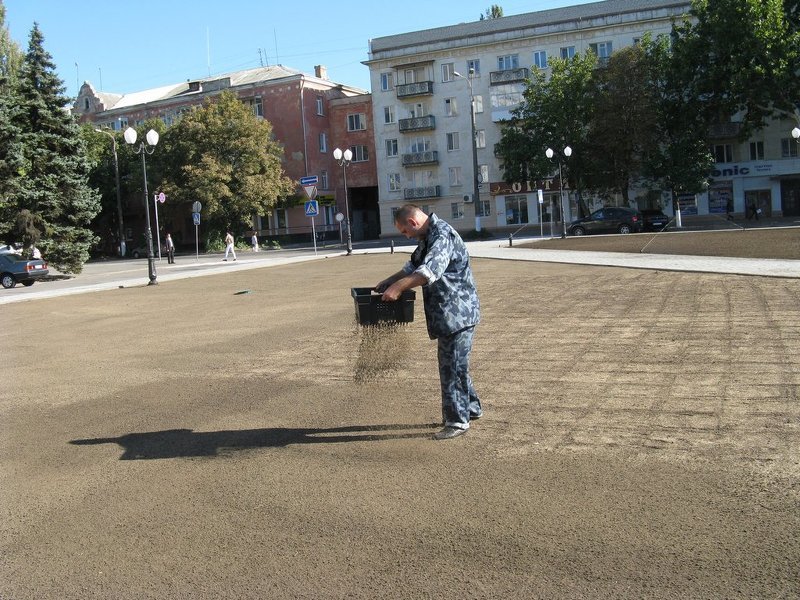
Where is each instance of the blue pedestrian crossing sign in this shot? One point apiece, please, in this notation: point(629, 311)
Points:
point(196, 218)
point(312, 208)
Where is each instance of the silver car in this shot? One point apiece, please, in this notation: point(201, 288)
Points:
point(16, 269)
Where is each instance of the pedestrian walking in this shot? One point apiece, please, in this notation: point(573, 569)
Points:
point(229, 246)
point(254, 241)
point(440, 265)
point(170, 246)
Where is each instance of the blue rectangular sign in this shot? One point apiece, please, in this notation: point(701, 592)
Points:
point(309, 180)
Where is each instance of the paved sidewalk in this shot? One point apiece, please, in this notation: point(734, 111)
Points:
point(494, 249)
point(664, 262)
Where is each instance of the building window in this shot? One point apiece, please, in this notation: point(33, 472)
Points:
point(452, 141)
point(422, 179)
point(602, 50)
point(507, 96)
point(356, 122)
point(455, 210)
point(455, 176)
point(255, 105)
point(123, 123)
point(395, 184)
point(447, 72)
point(387, 82)
point(450, 108)
point(323, 176)
point(323, 142)
point(516, 210)
point(360, 153)
point(483, 208)
point(756, 150)
point(280, 218)
point(388, 114)
point(86, 104)
point(474, 67)
point(480, 138)
point(568, 52)
point(540, 59)
point(723, 153)
point(789, 148)
point(416, 110)
point(320, 106)
point(508, 61)
point(419, 145)
point(484, 174)
point(478, 104)
point(391, 147)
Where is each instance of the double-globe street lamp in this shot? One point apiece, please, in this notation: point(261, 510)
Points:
point(119, 197)
point(551, 154)
point(476, 187)
point(344, 159)
point(151, 141)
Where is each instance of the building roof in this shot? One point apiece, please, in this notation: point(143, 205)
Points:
point(544, 20)
point(216, 82)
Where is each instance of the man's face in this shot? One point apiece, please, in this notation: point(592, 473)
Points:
point(409, 228)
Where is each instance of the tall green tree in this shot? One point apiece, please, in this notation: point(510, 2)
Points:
point(555, 113)
point(678, 159)
point(743, 59)
point(52, 170)
point(225, 157)
point(495, 11)
point(10, 53)
point(622, 126)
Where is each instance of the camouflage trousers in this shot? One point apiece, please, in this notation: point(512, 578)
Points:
point(459, 399)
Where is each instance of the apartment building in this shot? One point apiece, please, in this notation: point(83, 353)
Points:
point(423, 83)
point(300, 108)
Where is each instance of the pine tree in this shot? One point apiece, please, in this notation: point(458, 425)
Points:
point(53, 176)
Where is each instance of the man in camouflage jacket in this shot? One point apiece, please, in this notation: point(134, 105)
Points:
point(440, 264)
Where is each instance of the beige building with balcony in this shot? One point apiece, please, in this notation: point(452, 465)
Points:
point(422, 83)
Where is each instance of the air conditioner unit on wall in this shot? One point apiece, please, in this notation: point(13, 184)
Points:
point(468, 198)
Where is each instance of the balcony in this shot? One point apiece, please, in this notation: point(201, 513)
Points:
point(431, 191)
point(428, 157)
point(723, 131)
point(421, 88)
point(417, 123)
point(508, 76)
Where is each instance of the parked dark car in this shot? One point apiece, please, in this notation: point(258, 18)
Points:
point(654, 219)
point(611, 219)
point(16, 269)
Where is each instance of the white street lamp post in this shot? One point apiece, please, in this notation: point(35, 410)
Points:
point(151, 140)
point(567, 153)
point(344, 159)
point(796, 134)
point(119, 197)
point(476, 183)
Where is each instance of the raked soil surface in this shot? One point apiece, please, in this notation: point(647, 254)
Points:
point(640, 440)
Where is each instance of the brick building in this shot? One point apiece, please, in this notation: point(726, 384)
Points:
point(305, 117)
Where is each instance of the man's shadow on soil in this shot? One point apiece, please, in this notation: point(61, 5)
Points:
point(185, 443)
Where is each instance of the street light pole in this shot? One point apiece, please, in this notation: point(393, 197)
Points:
point(476, 183)
point(344, 159)
point(119, 196)
point(550, 154)
point(151, 140)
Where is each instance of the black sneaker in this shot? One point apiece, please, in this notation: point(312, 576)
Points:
point(475, 417)
point(449, 432)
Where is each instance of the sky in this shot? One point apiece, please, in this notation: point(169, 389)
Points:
point(122, 46)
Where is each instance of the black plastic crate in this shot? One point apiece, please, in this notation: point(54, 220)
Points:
point(371, 310)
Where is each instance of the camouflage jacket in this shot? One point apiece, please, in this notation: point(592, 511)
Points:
point(450, 298)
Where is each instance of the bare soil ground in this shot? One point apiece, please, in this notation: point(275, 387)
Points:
point(741, 243)
point(640, 440)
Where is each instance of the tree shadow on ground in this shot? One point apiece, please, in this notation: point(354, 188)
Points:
point(185, 443)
